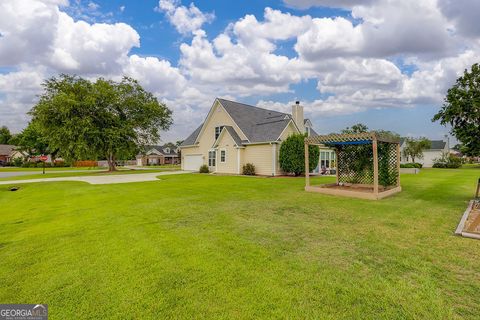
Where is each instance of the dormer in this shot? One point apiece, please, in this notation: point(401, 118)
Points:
point(166, 150)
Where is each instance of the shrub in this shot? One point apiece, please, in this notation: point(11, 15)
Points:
point(248, 169)
point(204, 169)
point(60, 164)
point(447, 161)
point(292, 155)
point(17, 162)
point(411, 165)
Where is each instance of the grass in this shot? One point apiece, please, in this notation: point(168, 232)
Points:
point(78, 174)
point(16, 169)
point(225, 247)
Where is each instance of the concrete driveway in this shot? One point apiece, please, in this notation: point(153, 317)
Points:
point(103, 179)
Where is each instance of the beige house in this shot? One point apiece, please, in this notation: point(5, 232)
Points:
point(158, 155)
point(234, 134)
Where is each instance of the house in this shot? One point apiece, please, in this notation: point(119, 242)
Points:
point(158, 155)
point(234, 134)
point(8, 153)
point(437, 149)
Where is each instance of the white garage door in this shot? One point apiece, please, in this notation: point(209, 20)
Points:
point(192, 162)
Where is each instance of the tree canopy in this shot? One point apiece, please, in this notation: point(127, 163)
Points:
point(461, 110)
point(32, 141)
point(5, 135)
point(292, 155)
point(101, 119)
point(414, 147)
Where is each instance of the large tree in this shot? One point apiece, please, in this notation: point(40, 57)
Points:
point(102, 119)
point(461, 110)
point(5, 135)
point(32, 142)
point(414, 147)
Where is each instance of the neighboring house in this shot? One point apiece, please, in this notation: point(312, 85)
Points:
point(158, 155)
point(437, 149)
point(8, 153)
point(234, 134)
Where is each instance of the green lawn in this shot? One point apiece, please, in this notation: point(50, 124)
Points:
point(223, 247)
point(15, 169)
point(78, 174)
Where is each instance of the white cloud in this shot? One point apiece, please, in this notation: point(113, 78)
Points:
point(185, 19)
point(158, 76)
point(356, 65)
point(97, 48)
point(26, 31)
point(346, 4)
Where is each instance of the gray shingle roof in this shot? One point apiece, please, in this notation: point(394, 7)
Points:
point(235, 136)
point(6, 149)
point(437, 144)
point(161, 149)
point(190, 141)
point(259, 125)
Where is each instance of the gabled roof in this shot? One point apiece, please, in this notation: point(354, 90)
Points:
point(190, 141)
point(257, 124)
point(437, 144)
point(161, 150)
point(6, 149)
point(236, 138)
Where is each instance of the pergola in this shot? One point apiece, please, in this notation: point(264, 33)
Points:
point(368, 165)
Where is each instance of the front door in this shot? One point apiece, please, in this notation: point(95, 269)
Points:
point(212, 160)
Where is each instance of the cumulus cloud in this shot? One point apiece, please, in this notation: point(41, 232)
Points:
point(463, 14)
point(356, 63)
point(97, 48)
point(185, 19)
point(39, 40)
point(345, 4)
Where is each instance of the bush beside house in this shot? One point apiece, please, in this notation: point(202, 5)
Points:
point(248, 169)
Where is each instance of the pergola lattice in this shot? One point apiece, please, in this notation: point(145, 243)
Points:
point(368, 165)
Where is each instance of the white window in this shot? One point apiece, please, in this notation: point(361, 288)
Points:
point(211, 158)
point(167, 150)
point(223, 155)
point(217, 131)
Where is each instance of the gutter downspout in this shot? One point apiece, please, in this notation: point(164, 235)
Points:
point(274, 157)
point(238, 160)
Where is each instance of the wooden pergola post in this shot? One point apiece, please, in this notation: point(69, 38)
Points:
point(375, 166)
point(307, 166)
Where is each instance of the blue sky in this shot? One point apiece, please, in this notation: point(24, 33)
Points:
point(384, 63)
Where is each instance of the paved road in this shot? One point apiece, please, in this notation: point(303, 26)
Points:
point(6, 174)
point(104, 179)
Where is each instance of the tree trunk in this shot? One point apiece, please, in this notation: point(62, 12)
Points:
point(111, 163)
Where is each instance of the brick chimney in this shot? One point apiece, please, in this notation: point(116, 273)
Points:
point(297, 115)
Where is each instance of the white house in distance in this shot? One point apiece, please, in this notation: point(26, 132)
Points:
point(234, 134)
point(437, 149)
